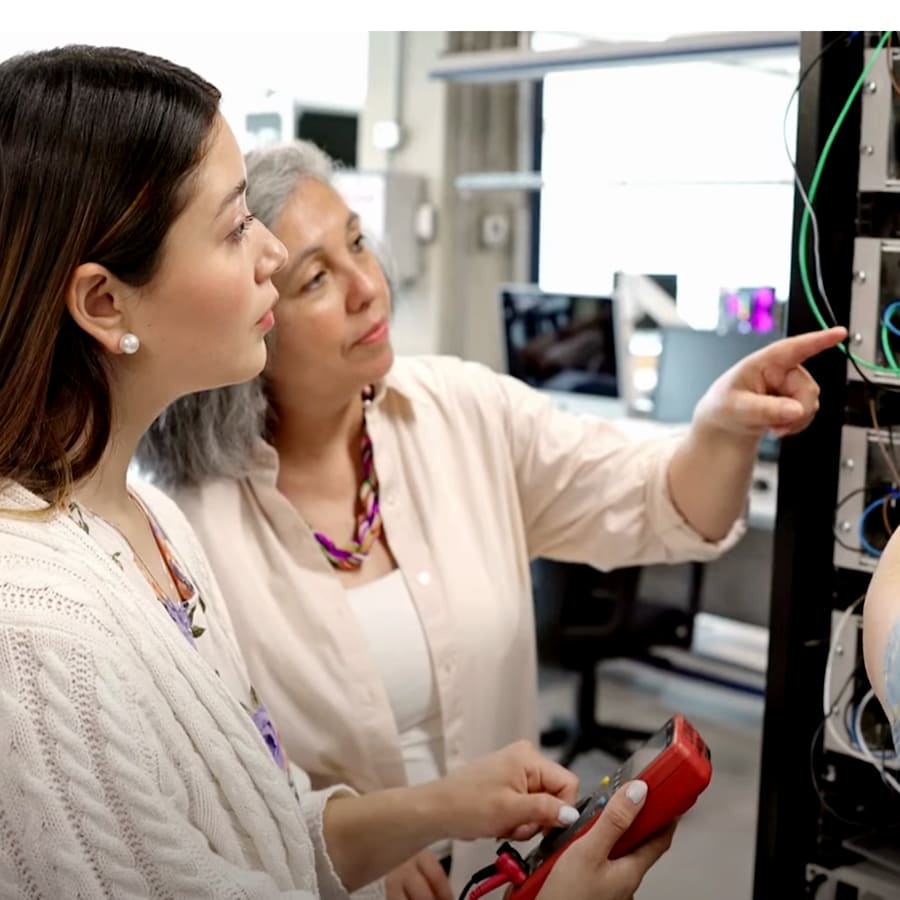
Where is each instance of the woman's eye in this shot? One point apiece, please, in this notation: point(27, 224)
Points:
point(359, 243)
point(239, 233)
point(315, 281)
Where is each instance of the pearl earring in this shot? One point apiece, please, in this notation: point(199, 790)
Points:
point(129, 343)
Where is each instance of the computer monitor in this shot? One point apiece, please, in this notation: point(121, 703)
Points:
point(691, 361)
point(750, 309)
point(332, 131)
point(560, 342)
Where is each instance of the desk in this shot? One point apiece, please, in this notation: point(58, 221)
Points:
point(763, 493)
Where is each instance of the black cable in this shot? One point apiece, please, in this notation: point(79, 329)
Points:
point(826, 806)
point(844, 39)
point(849, 547)
point(477, 878)
point(473, 881)
point(874, 385)
point(848, 725)
point(812, 754)
point(873, 404)
point(834, 527)
point(891, 444)
point(849, 496)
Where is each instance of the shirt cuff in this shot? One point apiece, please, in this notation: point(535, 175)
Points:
point(682, 542)
point(312, 805)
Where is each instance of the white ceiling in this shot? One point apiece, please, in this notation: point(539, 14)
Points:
point(778, 61)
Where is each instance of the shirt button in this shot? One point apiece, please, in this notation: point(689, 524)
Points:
point(424, 578)
point(391, 500)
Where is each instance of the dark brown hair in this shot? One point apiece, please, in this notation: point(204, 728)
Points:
point(97, 146)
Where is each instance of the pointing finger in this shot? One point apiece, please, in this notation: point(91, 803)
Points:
point(794, 351)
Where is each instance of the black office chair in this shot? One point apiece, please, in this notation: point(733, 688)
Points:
point(584, 616)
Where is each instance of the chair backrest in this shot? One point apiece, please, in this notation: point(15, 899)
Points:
point(579, 611)
point(583, 615)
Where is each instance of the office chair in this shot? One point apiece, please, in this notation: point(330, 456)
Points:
point(584, 616)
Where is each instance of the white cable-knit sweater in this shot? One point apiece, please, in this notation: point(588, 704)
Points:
point(127, 767)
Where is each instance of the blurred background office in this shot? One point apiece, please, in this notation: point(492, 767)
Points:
point(563, 207)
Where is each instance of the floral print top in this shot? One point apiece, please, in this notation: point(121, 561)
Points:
point(187, 610)
point(892, 681)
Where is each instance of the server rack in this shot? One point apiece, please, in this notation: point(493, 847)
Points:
point(816, 794)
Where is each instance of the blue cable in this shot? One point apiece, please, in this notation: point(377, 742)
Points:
point(861, 528)
point(888, 314)
point(851, 727)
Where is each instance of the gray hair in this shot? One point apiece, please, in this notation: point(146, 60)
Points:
point(274, 172)
point(212, 434)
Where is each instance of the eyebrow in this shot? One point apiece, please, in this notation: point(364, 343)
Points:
point(295, 264)
point(233, 194)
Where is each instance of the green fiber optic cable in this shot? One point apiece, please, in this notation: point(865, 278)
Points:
point(888, 352)
point(804, 222)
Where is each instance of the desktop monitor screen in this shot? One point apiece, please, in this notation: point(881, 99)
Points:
point(560, 342)
point(333, 132)
point(691, 361)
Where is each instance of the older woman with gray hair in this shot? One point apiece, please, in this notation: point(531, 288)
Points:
point(371, 520)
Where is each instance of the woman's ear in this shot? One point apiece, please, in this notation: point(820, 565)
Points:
point(95, 300)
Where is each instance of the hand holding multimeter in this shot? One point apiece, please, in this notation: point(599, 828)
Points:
point(674, 764)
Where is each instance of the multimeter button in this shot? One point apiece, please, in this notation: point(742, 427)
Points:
point(601, 802)
point(604, 781)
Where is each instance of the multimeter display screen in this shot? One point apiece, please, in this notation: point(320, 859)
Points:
point(642, 757)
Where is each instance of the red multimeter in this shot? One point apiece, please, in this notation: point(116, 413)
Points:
point(674, 762)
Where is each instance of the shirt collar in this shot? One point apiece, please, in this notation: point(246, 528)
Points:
point(264, 458)
point(389, 384)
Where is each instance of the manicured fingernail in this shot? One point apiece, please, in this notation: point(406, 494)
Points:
point(636, 791)
point(568, 815)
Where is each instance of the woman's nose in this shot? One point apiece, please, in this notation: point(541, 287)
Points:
point(361, 290)
point(274, 256)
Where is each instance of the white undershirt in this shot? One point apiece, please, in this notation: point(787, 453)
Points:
point(387, 615)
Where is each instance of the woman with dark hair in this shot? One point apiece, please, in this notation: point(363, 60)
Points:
point(371, 521)
point(138, 759)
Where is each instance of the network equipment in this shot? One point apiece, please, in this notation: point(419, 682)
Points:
point(830, 778)
point(867, 512)
point(855, 723)
point(875, 301)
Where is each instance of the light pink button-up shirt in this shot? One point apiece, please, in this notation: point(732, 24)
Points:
point(478, 475)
